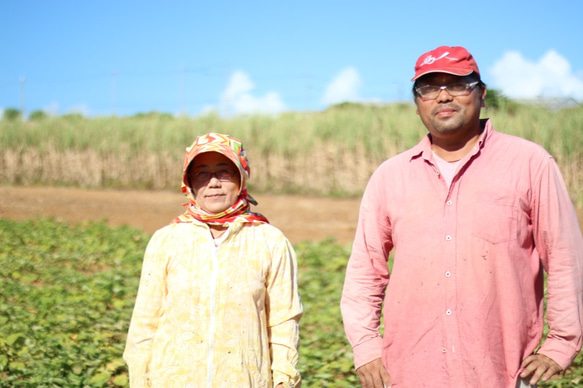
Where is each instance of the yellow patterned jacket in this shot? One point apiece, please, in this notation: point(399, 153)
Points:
point(208, 316)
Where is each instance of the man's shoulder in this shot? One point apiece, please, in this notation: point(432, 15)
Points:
point(516, 144)
point(402, 158)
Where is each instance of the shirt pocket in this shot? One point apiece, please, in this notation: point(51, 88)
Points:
point(495, 222)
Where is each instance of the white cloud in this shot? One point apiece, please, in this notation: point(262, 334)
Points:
point(239, 84)
point(344, 87)
point(237, 98)
point(551, 76)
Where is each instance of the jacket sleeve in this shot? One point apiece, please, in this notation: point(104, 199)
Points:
point(367, 275)
point(146, 314)
point(284, 309)
point(560, 246)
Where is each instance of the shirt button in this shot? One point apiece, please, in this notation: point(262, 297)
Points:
point(448, 312)
point(449, 202)
point(447, 274)
point(448, 238)
point(443, 350)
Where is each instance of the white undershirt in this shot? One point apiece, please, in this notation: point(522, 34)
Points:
point(219, 240)
point(447, 169)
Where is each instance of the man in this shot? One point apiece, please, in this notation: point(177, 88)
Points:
point(473, 217)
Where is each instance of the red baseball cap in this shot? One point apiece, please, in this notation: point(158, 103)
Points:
point(445, 59)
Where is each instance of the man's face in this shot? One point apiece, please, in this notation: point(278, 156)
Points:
point(446, 114)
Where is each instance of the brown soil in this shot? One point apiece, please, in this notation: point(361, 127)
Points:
point(300, 218)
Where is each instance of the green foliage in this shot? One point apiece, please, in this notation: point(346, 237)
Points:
point(66, 296)
point(327, 153)
point(67, 293)
point(288, 134)
point(37, 115)
point(154, 114)
point(325, 355)
point(495, 99)
point(73, 116)
point(379, 130)
point(349, 105)
point(11, 114)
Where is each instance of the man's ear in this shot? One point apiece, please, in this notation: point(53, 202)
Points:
point(483, 98)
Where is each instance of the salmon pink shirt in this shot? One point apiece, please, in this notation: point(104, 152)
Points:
point(463, 302)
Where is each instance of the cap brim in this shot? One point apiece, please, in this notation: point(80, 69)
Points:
point(452, 72)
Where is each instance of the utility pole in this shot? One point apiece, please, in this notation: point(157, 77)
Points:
point(22, 82)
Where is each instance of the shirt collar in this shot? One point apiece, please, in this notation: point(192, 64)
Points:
point(423, 148)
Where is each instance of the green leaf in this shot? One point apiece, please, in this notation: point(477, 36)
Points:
point(3, 361)
point(100, 379)
point(13, 338)
point(121, 380)
point(16, 366)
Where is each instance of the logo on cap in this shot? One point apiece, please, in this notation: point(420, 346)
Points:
point(430, 59)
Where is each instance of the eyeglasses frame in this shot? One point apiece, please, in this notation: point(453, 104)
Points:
point(214, 174)
point(469, 87)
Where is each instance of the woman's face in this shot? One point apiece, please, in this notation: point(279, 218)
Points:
point(215, 182)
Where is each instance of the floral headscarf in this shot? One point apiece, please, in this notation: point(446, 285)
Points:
point(233, 149)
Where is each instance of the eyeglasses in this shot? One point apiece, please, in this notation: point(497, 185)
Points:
point(430, 92)
point(205, 176)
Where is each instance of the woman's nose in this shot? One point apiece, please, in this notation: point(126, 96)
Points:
point(214, 181)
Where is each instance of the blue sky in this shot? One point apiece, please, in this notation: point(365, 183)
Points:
point(121, 57)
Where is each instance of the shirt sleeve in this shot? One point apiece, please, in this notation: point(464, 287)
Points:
point(367, 275)
point(560, 247)
point(146, 314)
point(285, 310)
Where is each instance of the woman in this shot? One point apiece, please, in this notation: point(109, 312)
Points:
point(218, 303)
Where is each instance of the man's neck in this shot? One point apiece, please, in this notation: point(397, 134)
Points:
point(452, 149)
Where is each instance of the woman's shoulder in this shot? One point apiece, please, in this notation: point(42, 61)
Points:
point(264, 229)
point(177, 230)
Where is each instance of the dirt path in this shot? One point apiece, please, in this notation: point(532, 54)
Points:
point(300, 218)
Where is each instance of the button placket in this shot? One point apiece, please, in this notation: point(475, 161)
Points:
point(449, 246)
